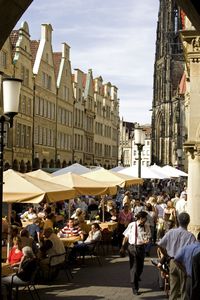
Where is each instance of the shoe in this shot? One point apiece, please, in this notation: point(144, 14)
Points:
point(154, 262)
point(136, 292)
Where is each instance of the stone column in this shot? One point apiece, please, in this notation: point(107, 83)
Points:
point(193, 199)
point(191, 44)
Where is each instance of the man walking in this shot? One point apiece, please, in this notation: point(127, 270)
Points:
point(195, 277)
point(174, 240)
point(136, 235)
point(184, 258)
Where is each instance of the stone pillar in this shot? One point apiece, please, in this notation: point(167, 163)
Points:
point(193, 199)
point(191, 45)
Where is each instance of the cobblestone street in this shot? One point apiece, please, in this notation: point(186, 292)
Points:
point(109, 281)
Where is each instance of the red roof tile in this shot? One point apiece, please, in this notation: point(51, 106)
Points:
point(84, 80)
point(34, 49)
point(56, 60)
point(13, 39)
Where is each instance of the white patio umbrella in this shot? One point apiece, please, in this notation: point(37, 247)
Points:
point(18, 189)
point(85, 186)
point(75, 169)
point(103, 175)
point(54, 192)
point(40, 174)
point(117, 169)
point(146, 173)
point(173, 172)
point(160, 170)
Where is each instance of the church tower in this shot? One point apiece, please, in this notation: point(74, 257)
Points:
point(167, 120)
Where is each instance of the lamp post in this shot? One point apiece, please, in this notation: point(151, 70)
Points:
point(139, 141)
point(11, 92)
point(179, 156)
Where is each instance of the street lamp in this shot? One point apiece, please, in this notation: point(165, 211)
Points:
point(179, 156)
point(139, 141)
point(11, 92)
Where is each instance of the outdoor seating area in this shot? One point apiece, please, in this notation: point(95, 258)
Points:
point(69, 220)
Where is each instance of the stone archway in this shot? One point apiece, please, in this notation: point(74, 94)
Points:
point(6, 166)
point(44, 163)
point(51, 164)
point(64, 164)
point(58, 163)
point(15, 165)
point(36, 164)
point(28, 166)
point(22, 166)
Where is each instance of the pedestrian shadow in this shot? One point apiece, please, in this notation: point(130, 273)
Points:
point(151, 297)
point(47, 294)
point(108, 275)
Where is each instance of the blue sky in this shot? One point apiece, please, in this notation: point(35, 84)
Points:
point(114, 38)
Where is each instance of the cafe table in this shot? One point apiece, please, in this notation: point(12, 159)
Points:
point(111, 226)
point(69, 241)
point(26, 223)
point(6, 269)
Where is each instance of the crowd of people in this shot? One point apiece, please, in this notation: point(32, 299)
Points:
point(156, 219)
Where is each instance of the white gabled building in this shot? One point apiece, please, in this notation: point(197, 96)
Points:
point(128, 150)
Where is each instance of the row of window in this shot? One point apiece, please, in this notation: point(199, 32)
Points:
point(98, 149)
point(89, 124)
point(107, 150)
point(114, 151)
point(107, 131)
point(44, 136)
point(143, 153)
point(64, 117)
point(23, 136)
point(79, 115)
point(78, 142)
point(65, 93)
point(89, 144)
point(25, 105)
point(44, 108)
point(46, 81)
point(25, 75)
point(64, 141)
point(143, 163)
point(114, 134)
point(126, 142)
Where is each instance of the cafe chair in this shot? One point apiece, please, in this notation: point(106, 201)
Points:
point(55, 269)
point(94, 252)
point(30, 285)
point(107, 238)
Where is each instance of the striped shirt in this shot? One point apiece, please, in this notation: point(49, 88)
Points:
point(71, 231)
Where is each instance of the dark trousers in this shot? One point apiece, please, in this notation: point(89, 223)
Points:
point(188, 287)
point(136, 260)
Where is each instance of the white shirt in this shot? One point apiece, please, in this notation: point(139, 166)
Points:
point(175, 239)
point(139, 237)
point(181, 206)
point(58, 248)
point(96, 236)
